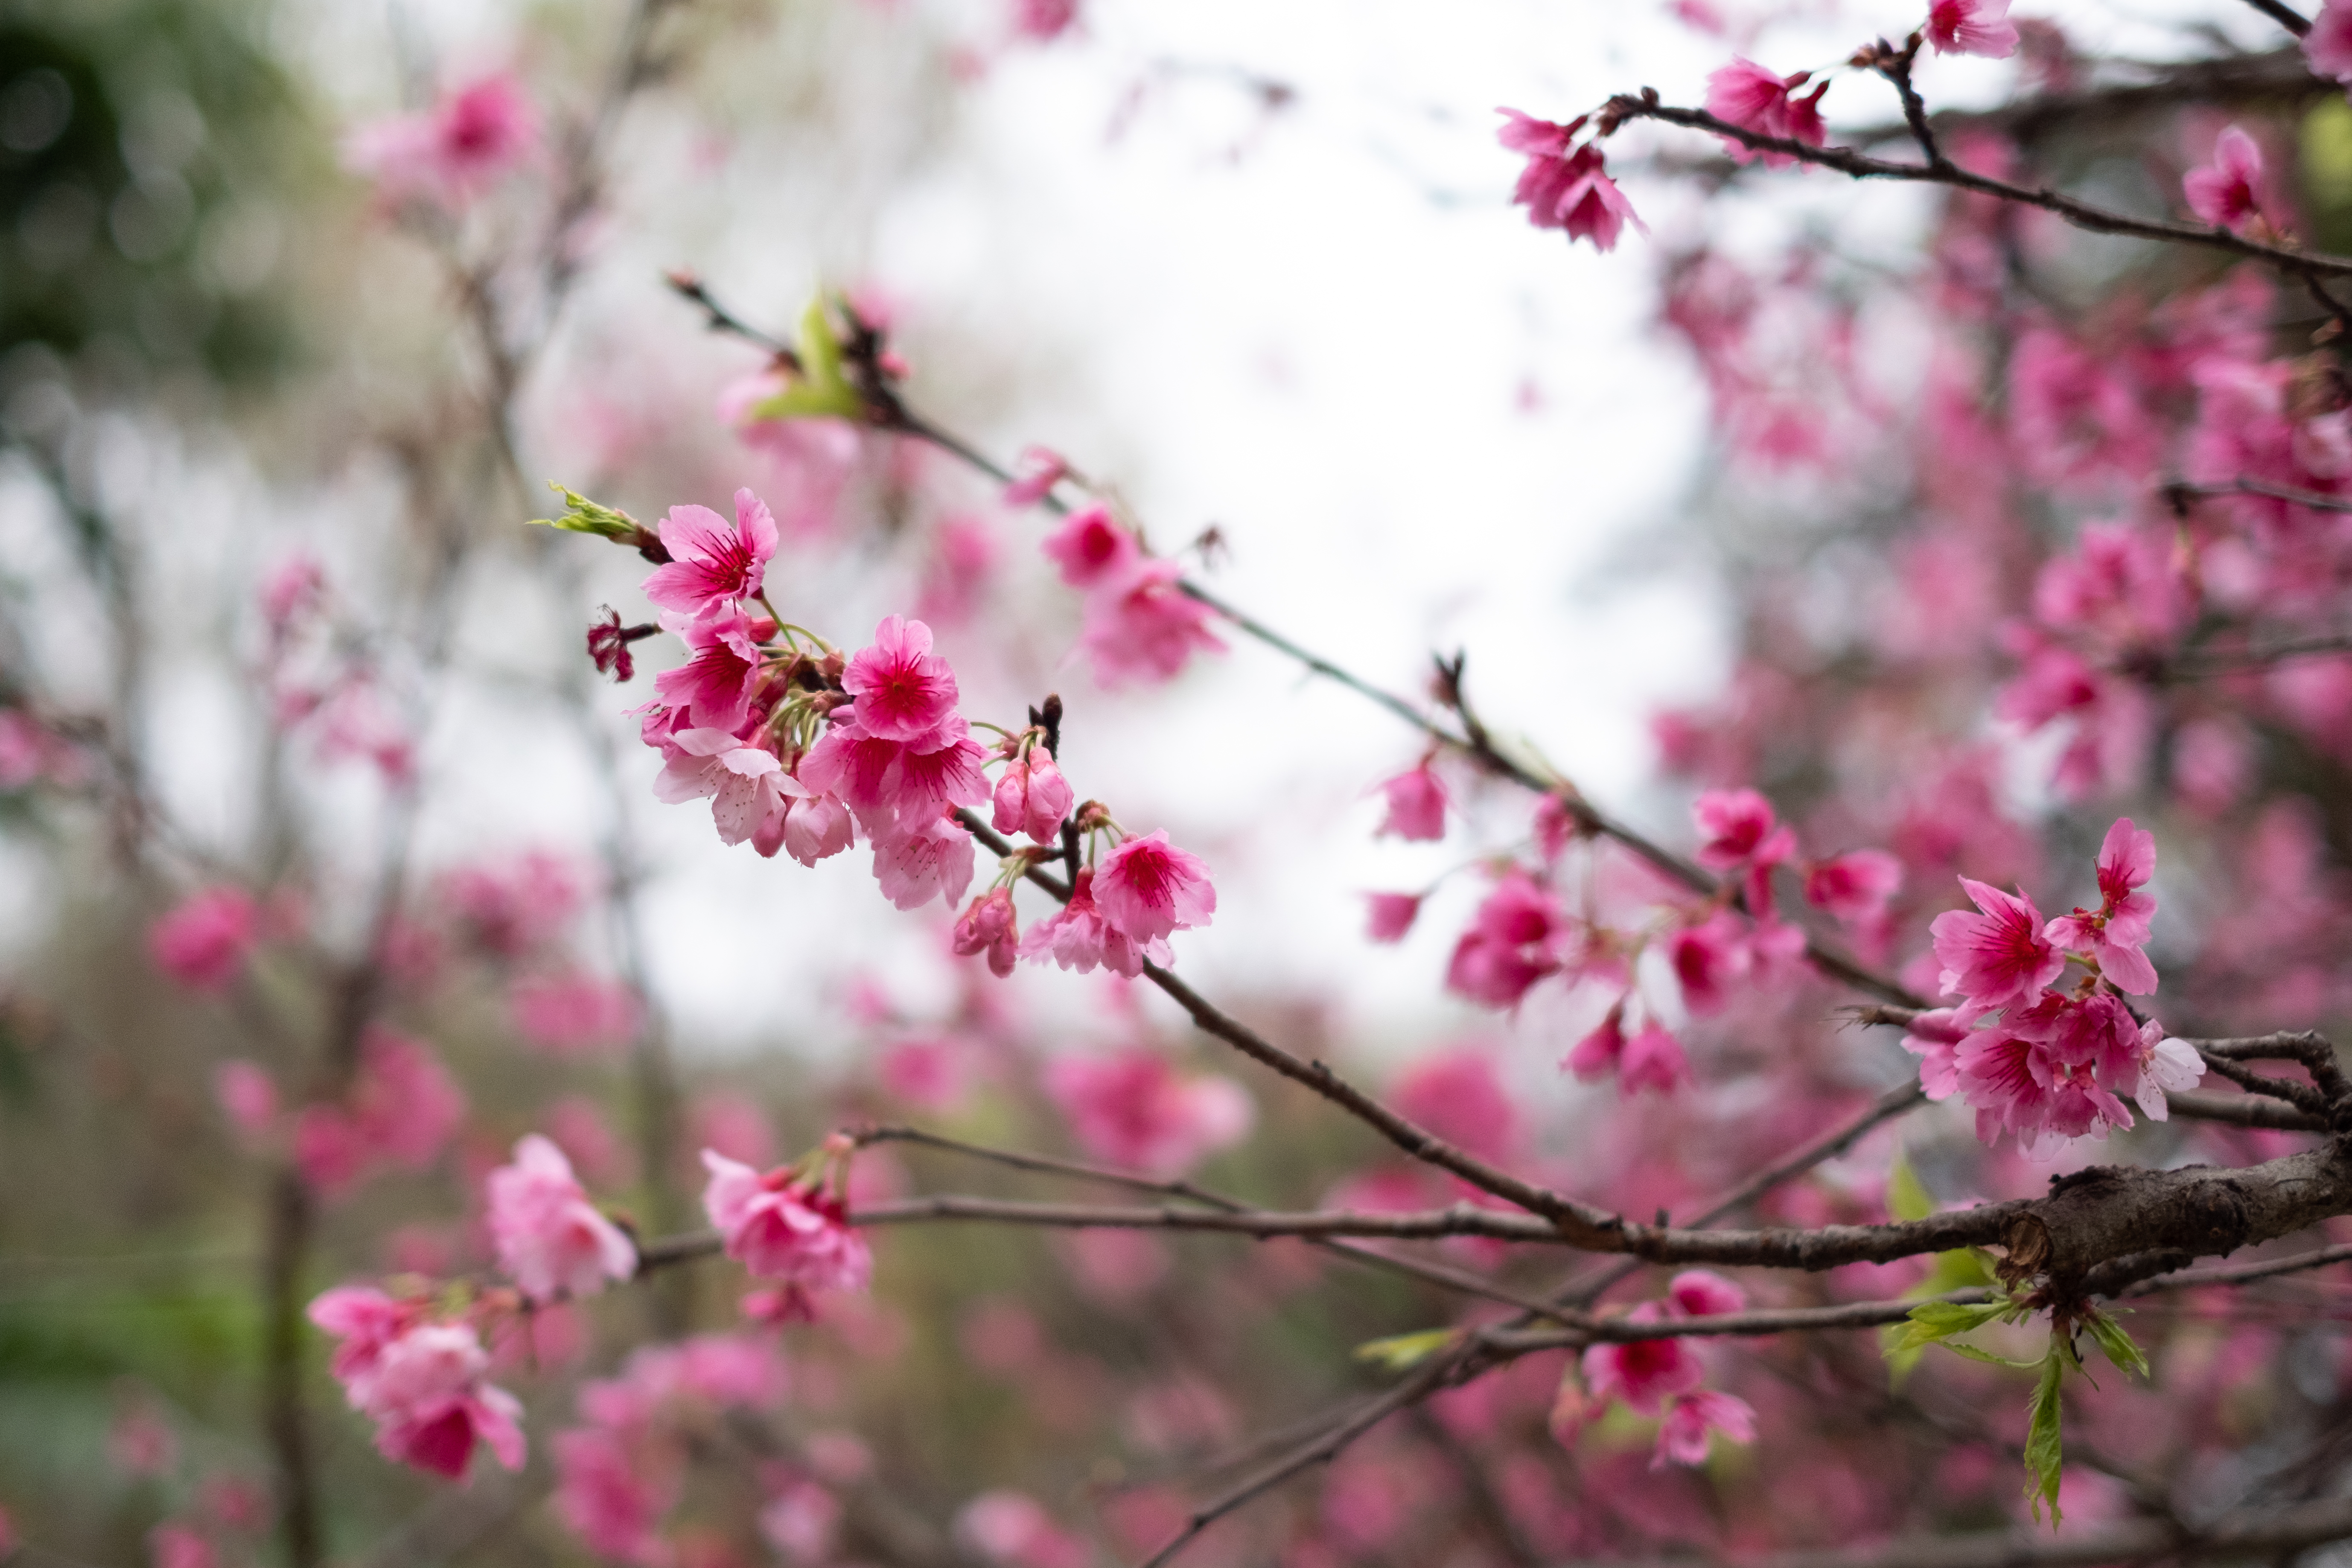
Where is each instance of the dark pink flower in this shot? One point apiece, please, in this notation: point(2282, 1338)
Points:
point(2328, 45)
point(1146, 888)
point(1416, 802)
point(454, 152)
point(1132, 1110)
point(988, 926)
point(2115, 932)
point(1934, 1038)
point(1855, 886)
point(1642, 1373)
point(1996, 957)
point(204, 940)
point(1596, 1056)
point(1701, 1293)
point(782, 1227)
point(609, 640)
point(2227, 193)
point(1747, 95)
point(1709, 958)
point(1738, 828)
point(1092, 549)
point(904, 691)
point(1566, 188)
point(1077, 936)
point(1043, 21)
point(714, 688)
point(1514, 942)
point(1971, 27)
point(550, 1240)
point(1144, 627)
point(1388, 916)
point(714, 565)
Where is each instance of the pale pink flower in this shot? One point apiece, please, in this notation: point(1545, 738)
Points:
point(1564, 186)
point(1388, 916)
point(931, 858)
point(28, 752)
point(1043, 21)
point(1014, 1531)
point(1738, 828)
point(174, 1545)
point(248, 1096)
point(1747, 95)
point(2328, 45)
point(1132, 1110)
point(2167, 1066)
point(988, 925)
point(431, 1404)
point(1416, 802)
point(1093, 549)
point(575, 1013)
point(454, 152)
point(1642, 1373)
point(816, 829)
point(404, 1103)
point(1032, 796)
point(1682, 1436)
point(1997, 956)
point(715, 686)
point(366, 1321)
point(609, 1499)
point(714, 565)
point(2227, 193)
point(802, 1521)
point(1653, 1059)
point(1077, 936)
point(904, 691)
point(204, 940)
point(782, 1226)
point(1855, 885)
point(2116, 931)
point(1146, 888)
point(289, 590)
point(1596, 1056)
point(747, 786)
point(1144, 627)
point(551, 1239)
point(1035, 473)
point(1971, 27)
point(1934, 1038)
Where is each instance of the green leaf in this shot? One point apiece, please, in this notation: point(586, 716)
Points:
point(2115, 1342)
point(582, 515)
point(2043, 1457)
point(1905, 1198)
point(1973, 1353)
point(1400, 1352)
point(1933, 1321)
point(819, 391)
point(1963, 1268)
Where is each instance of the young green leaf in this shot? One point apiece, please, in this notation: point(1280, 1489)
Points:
point(1933, 1321)
point(2043, 1454)
point(1906, 1199)
point(582, 515)
point(819, 391)
point(2117, 1344)
point(1400, 1352)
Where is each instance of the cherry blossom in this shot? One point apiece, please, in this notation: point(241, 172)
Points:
point(1147, 888)
point(781, 1226)
point(1389, 916)
point(1514, 942)
point(1031, 797)
point(2119, 930)
point(1093, 549)
point(714, 565)
point(2227, 193)
point(1855, 886)
point(1132, 1110)
point(1564, 186)
point(1078, 936)
point(421, 1382)
point(1693, 1418)
point(904, 693)
point(1971, 27)
point(1416, 803)
point(988, 925)
point(1037, 471)
point(551, 1239)
point(203, 942)
point(454, 152)
point(1753, 99)
point(929, 857)
point(1142, 625)
point(1738, 828)
point(713, 690)
point(573, 1012)
point(2328, 45)
point(1997, 957)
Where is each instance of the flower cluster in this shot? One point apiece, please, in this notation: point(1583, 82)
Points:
point(453, 152)
point(1139, 625)
point(2044, 1062)
point(1662, 1377)
point(204, 940)
point(421, 1378)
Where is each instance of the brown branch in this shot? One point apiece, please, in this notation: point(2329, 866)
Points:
point(2081, 214)
point(2244, 1110)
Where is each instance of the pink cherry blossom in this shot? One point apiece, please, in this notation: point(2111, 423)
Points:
point(1691, 1417)
point(1566, 188)
point(2327, 47)
point(1146, 888)
point(2227, 193)
point(204, 940)
point(2116, 931)
point(715, 686)
point(2167, 1066)
point(511, 906)
point(1032, 797)
point(747, 786)
point(1514, 942)
point(454, 152)
point(1093, 549)
point(365, 1321)
point(1709, 958)
point(714, 565)
point(1037, 471)
point(551, 1239)
point(782, 1227)
point(915, 862)
point(1934, 1038)
point(815, 829)
point(1416, 802)
point(1144, 627)
point(1738, 828)
point(1132, 1110)
point(248, 1096)
point(1971, 27)
point(1653, 1059)
point(989, 926)
point(1077, 936)
point(573, 1013)
point(1043, 21)
point(431, 1404)
point(1014, 1531)
point(609, 1499)
point(904, 691)
point(1458, 1095)
point(1389, 916)
point(1747, 95)
point(404, 1105)
point(1997, 956)
point(1701, 1293)
point(1596, 1055)
point(1855, 886)
point(1643, 1374)
point(883, 781)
